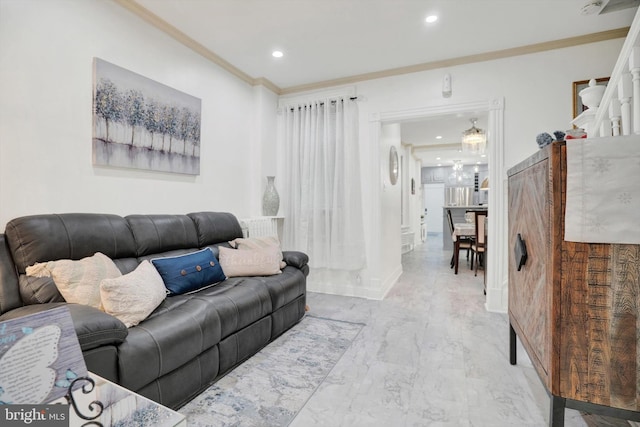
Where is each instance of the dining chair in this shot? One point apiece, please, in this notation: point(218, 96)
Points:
point(478, 246)
point(462, 242)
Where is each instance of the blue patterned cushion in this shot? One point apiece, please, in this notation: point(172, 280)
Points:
point(189, 272)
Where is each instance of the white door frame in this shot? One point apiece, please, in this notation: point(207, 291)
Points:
point(497, 298)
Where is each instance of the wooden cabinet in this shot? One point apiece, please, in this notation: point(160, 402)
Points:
point(574, 306)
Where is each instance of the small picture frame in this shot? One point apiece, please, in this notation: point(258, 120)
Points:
point(578, 108)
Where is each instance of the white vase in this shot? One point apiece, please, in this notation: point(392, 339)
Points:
point(270, 198)
point(592, 95)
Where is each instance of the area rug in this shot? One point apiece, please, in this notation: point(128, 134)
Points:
point(271, 387)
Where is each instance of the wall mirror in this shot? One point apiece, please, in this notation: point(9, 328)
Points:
point(393, 165)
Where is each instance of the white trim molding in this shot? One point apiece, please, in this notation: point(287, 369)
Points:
point(497, 299)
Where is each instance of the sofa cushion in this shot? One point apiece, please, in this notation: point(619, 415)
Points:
point(239, 301)
point(215, 227)
point(259, 243)
point(283, 288)
point(161, 233)
point(78, 281)
point(189, 272)
point(40, 238)
point(38, 290)
point(94, 328)
point(179, 330)
point(133, 296)
point(250, 262)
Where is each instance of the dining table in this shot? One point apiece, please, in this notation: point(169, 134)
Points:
point(460, 229)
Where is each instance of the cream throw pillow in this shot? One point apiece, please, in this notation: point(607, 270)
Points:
point(250, 262)
point(132, 297)
point(78, 281)
point(259, 243)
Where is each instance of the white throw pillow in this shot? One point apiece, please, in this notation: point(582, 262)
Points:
point(78, 281)
point(132, 297)
point(250, 262)
point(259, 243)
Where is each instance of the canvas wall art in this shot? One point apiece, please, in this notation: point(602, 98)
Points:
point(142, 124)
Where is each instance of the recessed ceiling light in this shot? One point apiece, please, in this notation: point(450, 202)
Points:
point(438, 158)
point(277, 54)
point(439, 164)
point(483, 155)
point(439, 137)
point(431, 19)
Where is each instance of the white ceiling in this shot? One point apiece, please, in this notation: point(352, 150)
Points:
point(442, 152)
point(326, 40)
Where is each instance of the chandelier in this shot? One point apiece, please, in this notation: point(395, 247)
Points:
point(474, 140)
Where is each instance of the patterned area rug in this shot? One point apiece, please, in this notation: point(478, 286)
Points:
point(271, 387)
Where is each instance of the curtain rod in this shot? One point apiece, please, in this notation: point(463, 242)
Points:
point(333, 101)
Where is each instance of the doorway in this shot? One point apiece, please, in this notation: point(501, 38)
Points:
point(433, 202)
point(496, 252)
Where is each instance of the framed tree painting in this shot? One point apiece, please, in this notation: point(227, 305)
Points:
point(142, 124)
point(578, 107)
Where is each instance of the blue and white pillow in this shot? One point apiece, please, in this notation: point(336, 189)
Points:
point(189, 272)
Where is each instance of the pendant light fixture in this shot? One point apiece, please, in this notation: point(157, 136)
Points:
point(474, 140)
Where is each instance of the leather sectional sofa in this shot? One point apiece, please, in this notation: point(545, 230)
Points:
point(187, 342)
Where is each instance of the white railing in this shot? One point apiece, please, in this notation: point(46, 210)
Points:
point(619, 109)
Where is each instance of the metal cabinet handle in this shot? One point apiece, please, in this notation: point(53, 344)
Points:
point(521, 252)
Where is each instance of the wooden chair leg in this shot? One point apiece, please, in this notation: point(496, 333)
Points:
point(477, 262)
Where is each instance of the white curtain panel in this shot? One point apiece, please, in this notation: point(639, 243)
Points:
point(323, 195)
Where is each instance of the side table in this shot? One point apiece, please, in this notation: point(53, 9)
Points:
point(120, 407)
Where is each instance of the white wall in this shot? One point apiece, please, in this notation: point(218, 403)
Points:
point(390, 267)
point(537, 91)
point(46, 53)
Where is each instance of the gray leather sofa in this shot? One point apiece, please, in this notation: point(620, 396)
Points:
point(190, 340)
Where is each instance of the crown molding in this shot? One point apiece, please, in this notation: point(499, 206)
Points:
point(481, 57)
point(262, 81)
point(164, 26)
point(181, 37)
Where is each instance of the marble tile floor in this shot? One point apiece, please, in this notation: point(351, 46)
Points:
point(430, 355)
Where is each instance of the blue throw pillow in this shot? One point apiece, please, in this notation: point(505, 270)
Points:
point(189, 272)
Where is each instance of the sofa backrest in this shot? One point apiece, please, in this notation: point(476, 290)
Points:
point(215, 227)
point(50, 237)
point(154, 234)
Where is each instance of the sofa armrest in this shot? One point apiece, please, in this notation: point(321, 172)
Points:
point(295, 259)
point(94, 328)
